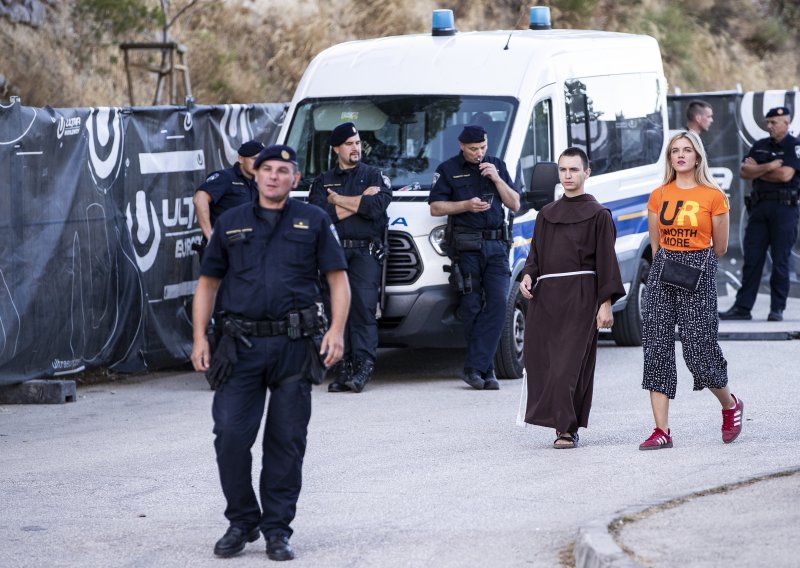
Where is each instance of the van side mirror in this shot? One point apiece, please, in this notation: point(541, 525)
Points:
point(542, 188)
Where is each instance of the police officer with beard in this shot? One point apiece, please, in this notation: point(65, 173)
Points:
point(774, 166)
point(356, 196)
point(471, 188)
point(269, 254)
point(227, 188)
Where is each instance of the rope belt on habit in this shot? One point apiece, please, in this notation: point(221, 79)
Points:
point(560, 274)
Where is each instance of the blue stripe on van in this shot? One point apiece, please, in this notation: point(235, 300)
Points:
point(630, 218)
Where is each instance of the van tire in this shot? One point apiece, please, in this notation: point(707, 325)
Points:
point(508, 360)
point(627, 330)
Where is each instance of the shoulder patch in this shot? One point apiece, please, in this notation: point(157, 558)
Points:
point(435, 179)
point(797, 150)
point(335, 234)
point(386, 180)
point(213, 176)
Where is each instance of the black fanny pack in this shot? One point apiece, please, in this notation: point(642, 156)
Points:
point(680, 275)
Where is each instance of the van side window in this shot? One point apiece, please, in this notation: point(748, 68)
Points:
point(616, 119)
point(538, 146)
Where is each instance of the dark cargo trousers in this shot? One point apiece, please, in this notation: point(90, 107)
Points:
point(237, 411)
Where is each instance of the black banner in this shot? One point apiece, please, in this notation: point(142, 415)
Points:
point(738, 122)
point(96, 228)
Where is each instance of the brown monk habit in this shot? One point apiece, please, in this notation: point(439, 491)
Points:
point(571, 234)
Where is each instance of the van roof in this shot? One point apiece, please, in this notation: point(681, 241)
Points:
point(473, 63)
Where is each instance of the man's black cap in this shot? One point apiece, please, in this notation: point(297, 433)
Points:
point(471, 134)
point(277, 152)
point(341, 133)
point(250, 149)
point(778, 111)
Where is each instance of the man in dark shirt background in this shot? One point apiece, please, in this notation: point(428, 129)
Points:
point(356, 196)
point(774, 166)
point(472, 188)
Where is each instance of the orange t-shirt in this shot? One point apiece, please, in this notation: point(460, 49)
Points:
point(684, 215)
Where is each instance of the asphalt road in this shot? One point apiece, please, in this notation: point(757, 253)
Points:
point(418, 470)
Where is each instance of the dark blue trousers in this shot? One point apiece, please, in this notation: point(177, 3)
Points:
point(770, 225)
point(483, 311)
point(361, 333)
point(237, 411)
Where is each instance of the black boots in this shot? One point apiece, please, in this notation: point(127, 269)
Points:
point(343, 371)
point(234, 540)
point(362, 373)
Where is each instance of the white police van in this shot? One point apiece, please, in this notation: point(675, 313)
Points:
point(536, 92)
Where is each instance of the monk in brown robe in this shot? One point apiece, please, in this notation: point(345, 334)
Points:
point(577, 279)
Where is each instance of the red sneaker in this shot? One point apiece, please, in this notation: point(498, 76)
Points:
point(732, 421)
point(657, 440)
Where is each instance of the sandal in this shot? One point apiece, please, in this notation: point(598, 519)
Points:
point(565, 440)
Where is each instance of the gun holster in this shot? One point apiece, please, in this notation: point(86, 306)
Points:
point(458, 282)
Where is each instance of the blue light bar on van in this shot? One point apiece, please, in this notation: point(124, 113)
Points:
point(540, 18)
point(443, 23)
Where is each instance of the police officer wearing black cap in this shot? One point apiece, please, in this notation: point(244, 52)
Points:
point(268, 253)
point(227, 188)
point(471, 189)
point(356, 196)
point(774, 166)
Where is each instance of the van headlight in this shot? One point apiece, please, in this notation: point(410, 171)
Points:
point(436, 239)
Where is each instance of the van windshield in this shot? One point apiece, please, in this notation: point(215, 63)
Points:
point(407, 137)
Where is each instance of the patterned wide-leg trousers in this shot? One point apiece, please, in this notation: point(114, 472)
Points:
point(695, 314)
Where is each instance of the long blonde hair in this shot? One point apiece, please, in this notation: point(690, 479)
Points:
point(702, 175)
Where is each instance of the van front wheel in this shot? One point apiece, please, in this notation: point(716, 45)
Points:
point(627, 330)
point(508, 360)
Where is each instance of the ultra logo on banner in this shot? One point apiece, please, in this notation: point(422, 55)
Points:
point(104, 127)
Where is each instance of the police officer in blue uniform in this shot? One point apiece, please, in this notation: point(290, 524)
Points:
point(774, 166)
point(227, 188)
point(269, 253)
point(356, 196)
point(471, 189)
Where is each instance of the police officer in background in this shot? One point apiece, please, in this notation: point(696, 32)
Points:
point(471, 189)
point(227, 188)
point(268, 253)
point(356, 196)
point(774, 166)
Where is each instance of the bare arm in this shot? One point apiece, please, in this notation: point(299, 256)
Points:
point(720, 229)
point(752, 170)
point(347, 206)
point(442, 208)
point(333, 340)
point(202, 307)
point(652, 230)
point(202, 208)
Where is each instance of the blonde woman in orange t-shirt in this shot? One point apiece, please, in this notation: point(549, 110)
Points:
point(688, 222)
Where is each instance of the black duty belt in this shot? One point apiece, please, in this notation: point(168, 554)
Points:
point(263, 328)
point(779, 195)
point(492, 234)
point(272, 328)
point(355, 243)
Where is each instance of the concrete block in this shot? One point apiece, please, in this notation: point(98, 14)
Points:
point(39, 392)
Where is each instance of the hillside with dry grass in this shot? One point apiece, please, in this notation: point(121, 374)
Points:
point(256, 50)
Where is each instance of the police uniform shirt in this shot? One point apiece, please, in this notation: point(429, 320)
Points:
point(459, 180)
point(228, 188)
point(370, 220)
point(766, 150)
point(271, 270)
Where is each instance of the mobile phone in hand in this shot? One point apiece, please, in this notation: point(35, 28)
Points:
point(487, 198)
